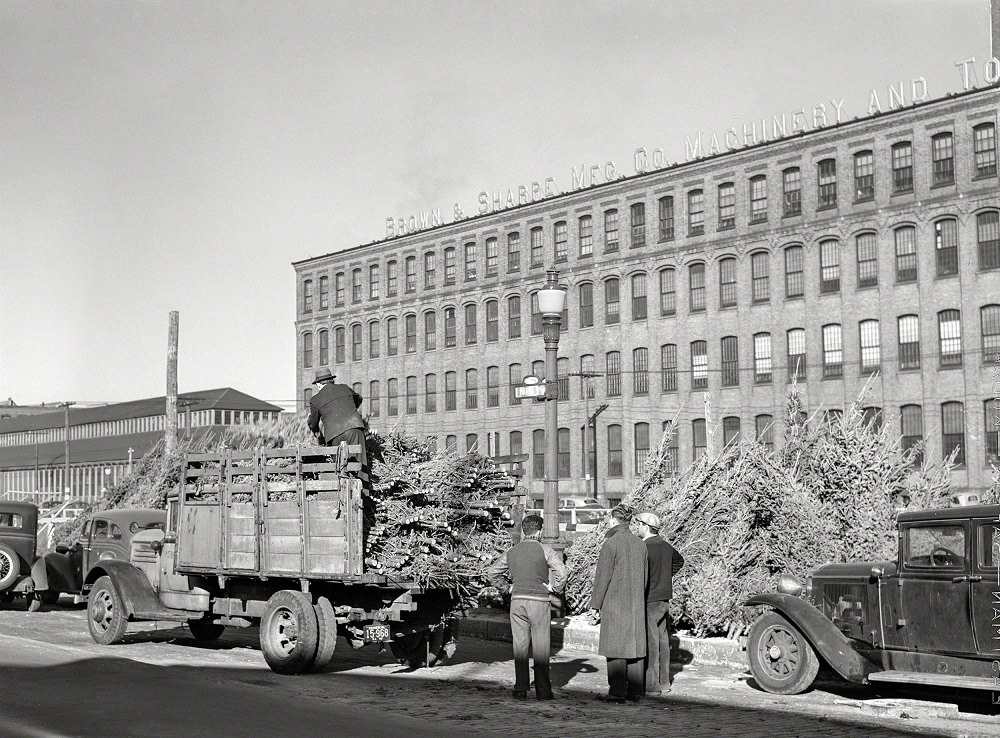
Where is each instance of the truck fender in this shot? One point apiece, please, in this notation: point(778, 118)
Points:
point(131, 584)
point(830, 643)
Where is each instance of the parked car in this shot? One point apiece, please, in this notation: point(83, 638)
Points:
point(105, 535)
point(18, 542)
point(928, 618)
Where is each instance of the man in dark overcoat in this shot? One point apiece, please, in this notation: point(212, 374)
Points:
point(335, 408)
point(620, 597)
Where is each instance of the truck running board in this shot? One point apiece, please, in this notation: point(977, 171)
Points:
point(956, 681)
point(181, 616)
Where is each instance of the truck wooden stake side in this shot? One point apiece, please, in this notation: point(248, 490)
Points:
point(274, 537)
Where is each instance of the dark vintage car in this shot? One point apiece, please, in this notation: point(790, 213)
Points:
point(931, 617)
point(105, 535)
point(18, 542)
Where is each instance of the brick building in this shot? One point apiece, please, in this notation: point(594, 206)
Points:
point(862, 252)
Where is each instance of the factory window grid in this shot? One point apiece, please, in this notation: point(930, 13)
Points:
point(338, 289)
point(449, 266)
point(727, 205)
point(727, 282)
point(730, 430)
point(391, 337)
point(324, 293)
point(730, 361)
point(760, 271)
point(339, 344)
point(762, 362)
point(699, 438)
point(612, 304)
point(537, 237)
point(374, 400)
point(640, 371)
point(988, 239)
point(639, 306)
point(614, 451)
point(430, 331)
point(356, 285)
point(471, 321)
point(391, 279)
point(492, 386)
point(471, 257)
point(560, 238)
point(942, 160)
point(984, 147)
point(563, 460)
point(637, 214)
point(794, 272)
point(514, 376)
point(991, 431)
point(357, 342)
point(905, 239)
point(410, 330)
point(307, 296)
point(946, 246)
point(373, 282)
point(864, 176)
point(536, 314)
point(764, 431)
point(829, 261)
point(586, 300)
point(610, 231)
point(450, 328)
point(613, 374)
point(953, 431)
point(668, 291)
point(516, 443)
point(950, 338)
point(430, 393)
point(410, 266)
point(471, 442)
point(833, 351)
point(827, 184)
point(585, 228)
point(307, 350)
point(791, 182)
point(513, 252)
point(492, 257)
point(699, 365)
point(411, 395)
point(758, 199)
point(911, 426)
point(640, 435)
point(908, 333)
point(538, 453)
point(324, 347)
point(562, 379)
point(514, 316)
point(989, 319)
point(492, 321)
point(866, 248)
point(795, 349)
point(586, 379)
point(666, 218)
point(902, 167)
point(430, 270)
point(672, 466)
point(450, 391)
point(696, 288)
point(696, 212)
point(871, 346)
point(392, 399)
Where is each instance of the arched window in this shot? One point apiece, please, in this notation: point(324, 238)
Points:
point(613, 373)
point(410, 327)
point(950, 337)
point(640, 371)
point(730, 429)
point(988, 239)
point(340, 344)
point(307, 350)
point(612, 304)
point(696, 212)
point(942, 159)
point(430, 331)
point(696, 287)
point(324, 347)
point(374, 336)
point(871, 346)
point(471, 389)
point(864, 176)
point(392, 336)
point(946, 246)
point(471, 335)
point(727, 282)
point(699, 365)
point(514, 316)
point(586, 300)
point(492, 321)
point(356, 342)
point(640, 444)
point(668, 291)
point(908, 349)
point(989, 318)
point(953, 431)
point(905, 240)
point(866, 246)
point(829, 266)
point(430, 393)
point(730, 361)
point(833, 351)
point(665, 212)
point(639, 310)
point(614, 450)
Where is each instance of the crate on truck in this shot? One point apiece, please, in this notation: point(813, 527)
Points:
point(274, 537)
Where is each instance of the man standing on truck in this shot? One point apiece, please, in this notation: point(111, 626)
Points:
point(335, 407)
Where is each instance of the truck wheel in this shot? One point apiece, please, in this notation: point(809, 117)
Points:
point(10, 566)
point(204, 630)
point(106, 617)
point(289, 632)
point(781, 659)
point(326, 621)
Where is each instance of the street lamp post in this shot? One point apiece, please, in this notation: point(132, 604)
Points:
point(551, 301)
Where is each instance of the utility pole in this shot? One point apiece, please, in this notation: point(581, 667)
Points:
point(170, 431)
point(588, 444)
point(66, 485)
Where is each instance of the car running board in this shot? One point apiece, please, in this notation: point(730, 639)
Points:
point(957, 681)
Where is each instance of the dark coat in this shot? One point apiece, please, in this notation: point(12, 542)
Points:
point(620, 595)
point(337, 406)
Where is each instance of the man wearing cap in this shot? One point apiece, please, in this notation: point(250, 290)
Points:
point(619, 595)
point(663, 562)
point(335, 407)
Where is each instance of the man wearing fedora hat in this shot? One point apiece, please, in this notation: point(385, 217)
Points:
point(335, 408)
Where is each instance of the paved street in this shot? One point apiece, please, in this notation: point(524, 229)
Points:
point(163, 680)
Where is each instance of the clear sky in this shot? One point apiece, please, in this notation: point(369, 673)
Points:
point(179, 155)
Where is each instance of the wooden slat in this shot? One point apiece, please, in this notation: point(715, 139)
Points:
point(321, 485)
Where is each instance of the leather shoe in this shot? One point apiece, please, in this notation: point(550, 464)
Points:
point(548, 696)
point(610, 699)
point(520, 694)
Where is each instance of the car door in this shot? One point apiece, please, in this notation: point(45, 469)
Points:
point(95, 545)
point(935, 596)
point(110, 546)
point(985, 584)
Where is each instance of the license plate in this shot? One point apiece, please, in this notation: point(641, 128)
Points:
point(376, 633)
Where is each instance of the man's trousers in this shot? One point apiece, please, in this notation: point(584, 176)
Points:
point(657, 646)
point(530, 630)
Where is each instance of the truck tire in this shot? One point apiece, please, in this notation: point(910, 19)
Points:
point(781, 659)
point(106, 617)
point(289, 632)
point(205, 630)
point(10, 566)
point(326, 621)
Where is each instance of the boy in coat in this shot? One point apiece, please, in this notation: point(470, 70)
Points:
point(620, 596)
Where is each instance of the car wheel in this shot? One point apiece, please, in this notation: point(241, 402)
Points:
point(326, 621)
point(781, 659)
point(289, 632)
point(10, 566)
point(106, 617)
point(203, 630)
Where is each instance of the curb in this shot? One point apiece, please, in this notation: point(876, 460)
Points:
point(495, 626)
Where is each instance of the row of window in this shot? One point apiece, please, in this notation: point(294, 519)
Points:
point(911, 428)
point(943, 173)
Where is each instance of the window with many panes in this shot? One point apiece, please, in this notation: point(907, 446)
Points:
point(430, 270)
point(696, 212)
point(637, 214)
point(471, 442)
point(392, 401)
point(613, 373)
point(795, 283)
point(340, 342)
point(762, 363)
point(410, 285)
point(902, 167)
point(536, 314)
point(585, 227)
point(307, 296)
point(492, 321)
point(760, 270)
point(668, 367)
point(514, 316)
point(699, 438)
point(639, 310)
point(871, 346)
point(640, 445)
point(988, 239)
point(668, 291)
point(471, 257)
point(513, 252)
point(827, 184)
point(450, 328)
point(696, 288)
point(833, 351)
point(338, 289)
point(324, 293)
point(984, 150)
point(612, 304)
point(492, 386)
point(374, 400)
point(640, 371)
point(514, 376)
point(324, 347)
point(866, 247)
point(908, 333)
point(471, 389)
point(563, 459)
point(450, 390)
point(991, 431)
point(562, 378)
point(449, 266)
point(307, 349)
point(864, 176)
point(492, 257)
point(699, 365)
point(911, 422)
point(989, 320)
point(374, 340)
point(764, 431)
point(586, 300)
point(942, 160)
point(471, 322)
point(672, 463)
point(758, 199)
point(730, 430)
point(730, 361)
point(411, 395)
point(610, 230)
point(538, 453)
point(905, 239)
point(953, 431)
point(430, 331)
point(795, 349)
point(950, 338)
point(727, 205)
point(356, 342)
point(391, 279)
point(356, 285)
point(391, 336)
point(727, 282)
point(946, 246)
point(791, 183)
point(560, 239)
point(537, 237)
point(829, 266)
point(430, 393)
point(614, 450)
point(665, 213)
point(587, 375)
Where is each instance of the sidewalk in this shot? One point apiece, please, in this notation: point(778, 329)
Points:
point(572, 634)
